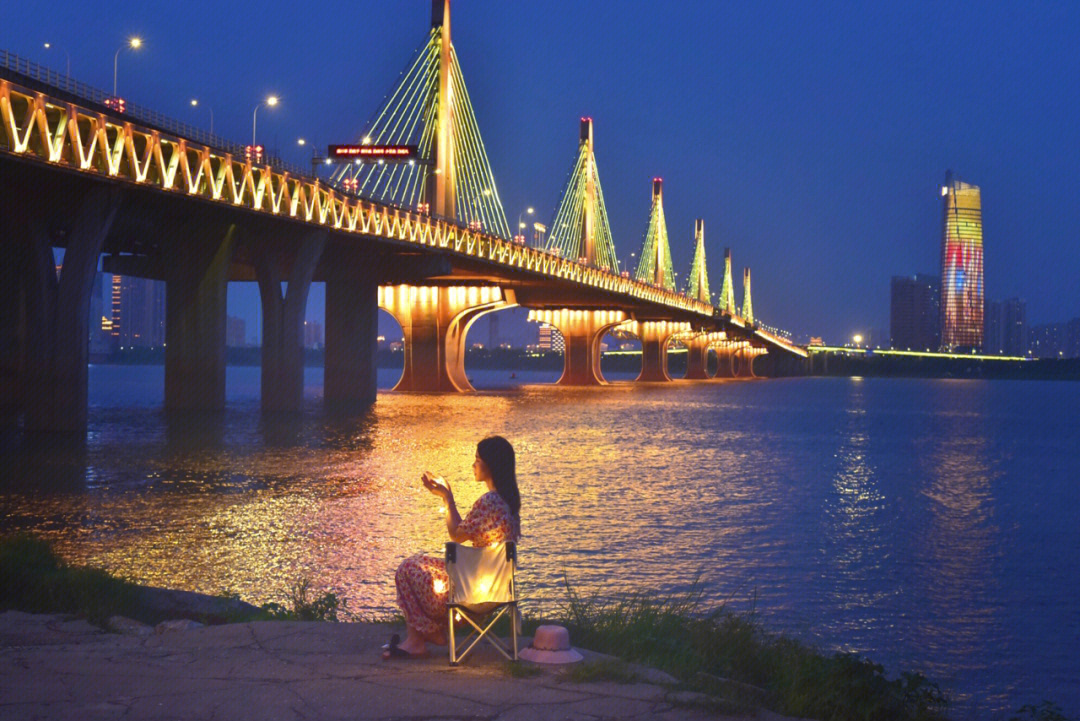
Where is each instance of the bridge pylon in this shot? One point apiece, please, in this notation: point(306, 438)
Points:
point(429, 109)
point(581, 230)
point(697, 284)
point(727, 290)
point(654, 265)
point(582, 331)
point(747, 306)
point(434, 321)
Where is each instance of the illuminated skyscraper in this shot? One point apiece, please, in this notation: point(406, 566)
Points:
point(962, 296)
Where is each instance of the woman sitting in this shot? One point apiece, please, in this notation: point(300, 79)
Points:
point(422, 583)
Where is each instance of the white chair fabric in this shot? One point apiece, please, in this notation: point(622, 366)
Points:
point(482, 590)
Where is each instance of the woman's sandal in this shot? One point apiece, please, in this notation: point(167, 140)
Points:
point(392, 650)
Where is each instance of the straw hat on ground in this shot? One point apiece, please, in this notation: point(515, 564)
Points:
point(551, 644)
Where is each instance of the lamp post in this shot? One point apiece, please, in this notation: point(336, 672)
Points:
point(67, 72)
point(133, 44)
point(271, 101)
point(522, 225)
point(195, 104)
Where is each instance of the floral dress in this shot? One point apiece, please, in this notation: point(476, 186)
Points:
point(422, 583)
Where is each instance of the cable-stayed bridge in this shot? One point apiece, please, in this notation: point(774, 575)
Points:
point(424, 238)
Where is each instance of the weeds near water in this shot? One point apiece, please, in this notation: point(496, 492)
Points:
point(33, 578)
point(1046, 711)
point(730, 656)
point(305, 606)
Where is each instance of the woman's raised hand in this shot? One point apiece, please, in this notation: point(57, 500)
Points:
point(436, 484)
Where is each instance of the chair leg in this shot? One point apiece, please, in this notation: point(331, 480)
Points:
point(450, 636)
point(514, 628)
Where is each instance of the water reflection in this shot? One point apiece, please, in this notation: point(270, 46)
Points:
point(866, 515)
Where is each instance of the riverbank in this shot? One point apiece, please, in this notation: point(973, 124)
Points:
point(722, 660)
point(53, 667)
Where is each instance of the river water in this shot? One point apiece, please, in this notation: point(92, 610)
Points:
point(930, 524)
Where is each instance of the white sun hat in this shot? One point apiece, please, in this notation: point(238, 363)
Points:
point(551, 644)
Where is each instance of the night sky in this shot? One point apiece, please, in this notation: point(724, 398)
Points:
point(812, 137)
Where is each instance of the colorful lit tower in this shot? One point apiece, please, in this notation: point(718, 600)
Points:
point(654, 266)
point(727, 290)
point(697, 285)
point(962, 296)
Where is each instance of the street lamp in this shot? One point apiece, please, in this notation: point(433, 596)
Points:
point(133, 44)
point(857, 339)
point(67, 73)
point(195, 104)
point(521, 224)
point(271, 101)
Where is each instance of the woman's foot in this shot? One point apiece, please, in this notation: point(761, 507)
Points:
point(414, 646)
point(396, 649)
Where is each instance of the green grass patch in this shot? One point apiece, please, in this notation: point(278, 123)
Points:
point(730, 656)
point(36, 580)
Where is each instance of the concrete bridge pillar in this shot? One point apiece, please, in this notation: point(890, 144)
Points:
point(352, 329)
point(582, 332)
point(282, 376)
point(697, 348)
point(57, 312)
point(728, 360)
point(655, 336)
point(434, 321)
point(12, 320)
point(196, 283)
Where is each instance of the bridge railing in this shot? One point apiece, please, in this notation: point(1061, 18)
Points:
point(65, 83)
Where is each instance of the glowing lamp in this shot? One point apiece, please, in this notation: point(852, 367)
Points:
point(439, 585)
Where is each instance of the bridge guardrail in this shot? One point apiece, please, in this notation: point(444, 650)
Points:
point(34, 71)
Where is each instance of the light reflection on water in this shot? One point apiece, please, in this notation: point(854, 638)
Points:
point(928, 524)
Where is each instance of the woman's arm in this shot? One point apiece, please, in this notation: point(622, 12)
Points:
point(453, 519)
point(441, 488)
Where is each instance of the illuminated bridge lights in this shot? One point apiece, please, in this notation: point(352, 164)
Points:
point(54, 132)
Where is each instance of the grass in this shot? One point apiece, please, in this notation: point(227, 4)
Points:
point(730, 656)
point(34, 579)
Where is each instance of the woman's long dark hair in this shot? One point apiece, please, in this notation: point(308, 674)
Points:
point(498, 455)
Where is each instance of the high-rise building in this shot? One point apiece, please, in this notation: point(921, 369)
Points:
point(962, 296)
point(914, 313)
point(550, 338)
point(1006, 327)
point(138, 312)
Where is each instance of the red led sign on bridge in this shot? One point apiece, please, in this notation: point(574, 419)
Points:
point(372, 152)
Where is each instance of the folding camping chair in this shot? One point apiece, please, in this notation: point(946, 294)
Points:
point(482, 591)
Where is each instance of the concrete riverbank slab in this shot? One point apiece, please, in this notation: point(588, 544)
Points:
point(56, 668)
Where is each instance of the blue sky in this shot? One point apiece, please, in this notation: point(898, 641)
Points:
point(812, 137)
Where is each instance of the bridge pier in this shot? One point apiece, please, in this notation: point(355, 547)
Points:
point(582, 331)
point(196, 283)
point(697, 348)
point(282, 376)
point(655, 336)
point(434, 321)
point(352, 329)
point(57, 313)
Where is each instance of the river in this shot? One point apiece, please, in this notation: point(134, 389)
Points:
point(931, 525)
